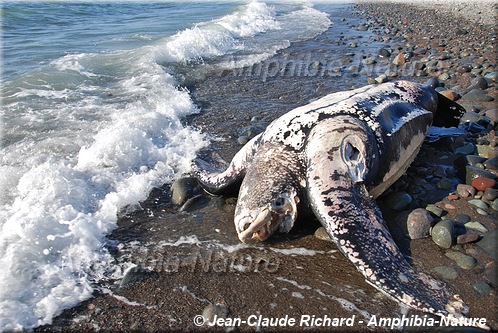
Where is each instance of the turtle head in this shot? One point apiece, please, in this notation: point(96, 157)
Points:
point(269, 194)
point(256, 220)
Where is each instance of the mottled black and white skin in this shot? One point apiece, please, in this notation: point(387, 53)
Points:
point(336, 155)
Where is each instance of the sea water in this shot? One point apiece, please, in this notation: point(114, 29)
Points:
point(93, 108)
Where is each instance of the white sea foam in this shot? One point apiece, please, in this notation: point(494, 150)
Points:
point(88, 134)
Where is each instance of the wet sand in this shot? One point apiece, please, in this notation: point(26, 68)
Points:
point(189, 259)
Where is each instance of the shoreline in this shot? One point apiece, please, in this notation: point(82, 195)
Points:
point(308, 277)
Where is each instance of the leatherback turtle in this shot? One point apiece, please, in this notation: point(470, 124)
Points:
point(336, 155)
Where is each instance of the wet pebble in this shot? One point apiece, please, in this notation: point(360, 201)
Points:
point(462, 260)
point(482, 287)
point(462, 218)
point(491, 164)
point(322, 234)
point(479, 204)
point(450, 94)
point(214, 310)
point(182, 189)
point(435, 210)
point(465, 190)
point(482, 183)
point(490, 273)
point(446, 272)
point(468, 237)
point(443, 234)
point(478, 83)
point(494, 204)
point(490, 194)
point(488, 243)
point(474, 172)
point(419, 222)
point(476, 226)
point(477, 95)
point(398, 200)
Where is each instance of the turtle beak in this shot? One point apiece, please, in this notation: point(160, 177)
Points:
point(255, 229)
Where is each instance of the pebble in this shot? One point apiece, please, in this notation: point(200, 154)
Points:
point(465, 190)
point(214, 310)
point(490, 273)
point(462, 218)
point(450, 94)
point(322, 234)
point(444, 184)
point(462, 260)
point(490, 194)
point(182, 189)
point(491, 164)
point(473, 160)
point(466, 149)
point(478, 83)
point(446, 272)
point(469, 237)
point(398, 200)
point(476, 226)
point(419, 223)
point(482, 183)
point(242, 140)
point(477, 95)
point(479, 204)
point(494, 205)
point(399, 60)
point(443, 234)
point(435, 210)
point(488, 243)
point(384, 53)
point(482, 287)
point(474, 172)
point(492, 114)
point(381, 79)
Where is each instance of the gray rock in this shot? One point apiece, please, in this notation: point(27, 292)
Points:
point(182, 189)
point(445, 272)
point(479, 204)
point(462, 260)
point(435, 210)
point(462, 218)
point(398, 200)
point(492, 163)
point(494, 204)
point(242, 140)
point(474, 172)
point(384, 53)
point(466, 149)
point(322, 234)
point(490, 194)
point(477, 95)
point(476, 226)
point(444, 184)
point(465, 190)
point(482, 287)
point(474, 159)
point(443, 234)
point(478, 83)
point(212, 310)
point(470, 116)
point(491, 274)
point(418, 223)
point(492, 114)
point(468, 237)
point(432, 82)
point(488, 243)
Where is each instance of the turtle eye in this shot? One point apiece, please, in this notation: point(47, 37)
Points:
point(279, 202)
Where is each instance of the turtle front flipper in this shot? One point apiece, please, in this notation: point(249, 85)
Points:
point(340, 154)
point(220, 182)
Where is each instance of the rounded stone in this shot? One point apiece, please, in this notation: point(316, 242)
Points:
point(435, 210)
point(482, 287)
point(462, 260)
point(469, 237)
point(212, 311)
point(478, 83)
point(474, 172)
point(490, 194)
point(182, 189)
point(443, 234)
point(488, 243)
point(444, 184)
point(242, 140)
point(465, 190)
point(446, 272)
point(479, 204)
point(494, 204)
point(450, 94)
point(482, 183)
point(491, 164)
point(476, 226)
point(398, 200)
point(418, 223)
point(462, 218)
point(477, 95)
